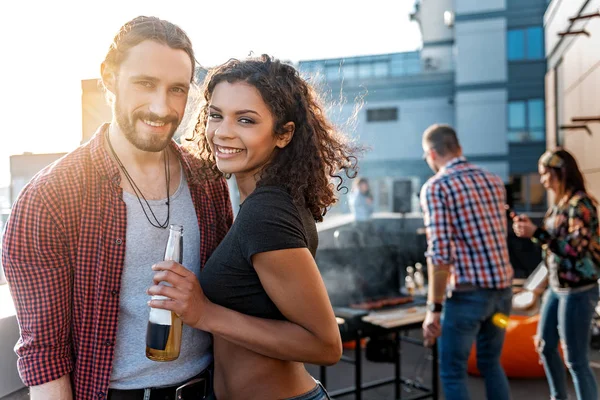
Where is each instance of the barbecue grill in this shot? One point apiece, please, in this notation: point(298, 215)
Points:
point(364, 286)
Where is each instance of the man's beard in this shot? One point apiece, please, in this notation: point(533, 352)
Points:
point(151, 143)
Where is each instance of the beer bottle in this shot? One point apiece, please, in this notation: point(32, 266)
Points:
point(163, 335)
point(409, 281)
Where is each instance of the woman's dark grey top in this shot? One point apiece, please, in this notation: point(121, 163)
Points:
point(268, 220)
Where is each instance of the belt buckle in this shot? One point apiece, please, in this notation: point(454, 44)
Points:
point(179, 390)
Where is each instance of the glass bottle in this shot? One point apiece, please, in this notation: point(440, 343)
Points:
point(163, 335)
point(419, 279)
point(409, 281)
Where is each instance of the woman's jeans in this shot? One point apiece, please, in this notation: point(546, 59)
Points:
point(318, 393)
point(568, 316)
point(467, 318)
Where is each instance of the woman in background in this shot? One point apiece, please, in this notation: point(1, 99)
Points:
point(569, 239)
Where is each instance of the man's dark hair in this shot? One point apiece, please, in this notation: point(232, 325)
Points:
point(442, 139)
point(143, 28)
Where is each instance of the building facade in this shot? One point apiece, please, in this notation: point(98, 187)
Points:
point(481, 69)
point(572, 30)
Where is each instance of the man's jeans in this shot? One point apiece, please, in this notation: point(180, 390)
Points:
point(567, 316)
point(467, 317)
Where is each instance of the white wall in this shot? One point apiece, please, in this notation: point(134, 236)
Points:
point(481, 122)
point(557, 17)
point(442, 57)
point(479, 6)
point(481, 51)
point(431, 17)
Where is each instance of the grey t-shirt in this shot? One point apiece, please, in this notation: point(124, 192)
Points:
point(145, 247)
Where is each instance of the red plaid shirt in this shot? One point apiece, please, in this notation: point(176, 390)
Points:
point(63, 254)
point(465, 221)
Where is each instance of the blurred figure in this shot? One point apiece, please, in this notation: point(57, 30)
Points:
point(570, 243)
point(361, 205)
point(467, 254)
point(361, 201)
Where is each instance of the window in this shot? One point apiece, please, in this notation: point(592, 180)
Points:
point(526, 121)
point(332, 72)
point(525, 44)
point(365, 70)
point(381, 69)
point(349, 71)
point(516, 45)
point(382, 114)
point(527, 192)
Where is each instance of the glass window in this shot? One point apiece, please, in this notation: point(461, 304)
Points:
point(535, 43)
point(382, 114)
point(332, 72)
point(525, 44)
point(535, 110)
point(365, 70)
point(397, 68)
point(526, 121)
point(381, 69)
point(349, 71)
point(516, 44)
point(516, 115)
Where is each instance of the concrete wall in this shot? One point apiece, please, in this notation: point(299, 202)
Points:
point(401, 139)
point(481, 51)
point(431, 20)
point(481, 121)
point(478, 6)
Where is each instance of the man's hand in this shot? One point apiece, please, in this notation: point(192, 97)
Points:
point(432, 328)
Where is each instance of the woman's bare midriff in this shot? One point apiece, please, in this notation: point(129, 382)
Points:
point(242, 374)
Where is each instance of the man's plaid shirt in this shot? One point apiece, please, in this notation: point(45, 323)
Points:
point(63, 254)
point(466, 225)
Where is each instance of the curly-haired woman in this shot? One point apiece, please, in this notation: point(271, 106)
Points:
point(261, 294)
point(569, 238)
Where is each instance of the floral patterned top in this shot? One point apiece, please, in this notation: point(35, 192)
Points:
point(570, 242)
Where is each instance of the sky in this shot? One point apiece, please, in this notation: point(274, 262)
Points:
point(47, 47)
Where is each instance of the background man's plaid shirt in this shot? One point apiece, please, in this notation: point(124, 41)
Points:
point(466, 225)
point(63, 254)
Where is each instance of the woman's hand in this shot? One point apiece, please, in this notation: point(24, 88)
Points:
point(523, 227)
point(186, 298)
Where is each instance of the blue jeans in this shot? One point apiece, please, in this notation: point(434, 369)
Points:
point(466, 318)
point(568, 316)
point(317, 393)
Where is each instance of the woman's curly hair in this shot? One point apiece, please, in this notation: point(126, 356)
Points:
point(317, 153)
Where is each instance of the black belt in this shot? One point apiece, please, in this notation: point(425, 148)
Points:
point(192, 389)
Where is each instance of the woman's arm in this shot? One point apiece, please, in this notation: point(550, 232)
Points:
point(582, 221)
point(292, 281)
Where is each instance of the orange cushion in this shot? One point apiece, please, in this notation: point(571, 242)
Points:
point(519, 357)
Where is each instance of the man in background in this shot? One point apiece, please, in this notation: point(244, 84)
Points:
point(467, 257)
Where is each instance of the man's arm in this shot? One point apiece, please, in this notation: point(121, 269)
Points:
point(38, 271)
point(438, 278)
point(59, 389)
point(440, 255)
